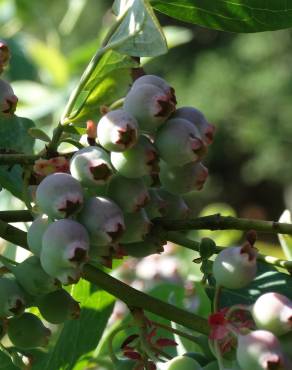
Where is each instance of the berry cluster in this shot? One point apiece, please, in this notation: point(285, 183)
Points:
point(255, 337)
point(146, 156)
point(29, 285)
point(264, 344)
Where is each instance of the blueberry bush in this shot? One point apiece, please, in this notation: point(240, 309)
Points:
point(98, 216)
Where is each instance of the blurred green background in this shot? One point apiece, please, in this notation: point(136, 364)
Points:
point(242, 83)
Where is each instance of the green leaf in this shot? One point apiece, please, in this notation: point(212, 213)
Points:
point(38, 134)
point(80, 337)
point(139, 33)
point(233, 16)
point(74, 130)
point(6, 363)
point(11, 179)
point(286, 240)
point(268, 279)
point(108, 82)
point(14, 137)
point(14, 134)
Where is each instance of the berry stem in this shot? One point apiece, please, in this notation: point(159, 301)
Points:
point(190, 337)
point(13, 234)
point(131, 296)
point(84, 79)
point(141, 322)
point(216, 298)
point(16, 216)
point(73, 142)
point(135, 298)
point(111, 338)
point(180, 239)
point(18, 237)
point(160, 352)
point(218, 222)
point(23, 159)
point(54, 143)
point(218, 356)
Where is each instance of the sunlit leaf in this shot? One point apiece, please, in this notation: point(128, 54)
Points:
point(234, 16)
point(108, 82)
point(139, 33)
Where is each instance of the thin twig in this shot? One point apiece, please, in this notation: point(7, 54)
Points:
point(218, 222)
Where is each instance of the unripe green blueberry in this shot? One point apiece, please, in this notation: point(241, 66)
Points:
point(175, 206)
point(211, 366)
point(183, 179)
point(117, 131)
point(8, 100)
point(199, 120)
point(140, 160)
point(201, 359)
point(91, 166)
point(157, 206)
point(35, 233)
point(273, 311)
point(66, 275)
point(151, 181)
point(59, 195)
point(235, 267)
point(137, 227)
point(27, 331)
point(203, 341)
point(65, 249)
point(130, 194)
point(58, 307)
point(104, 221)
point(142, 249)
point(150, 105)
point(182, 135)
point(259, 350)
point(33, 279)
point(12, 299)
point(156, 81)
point(182, 363)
